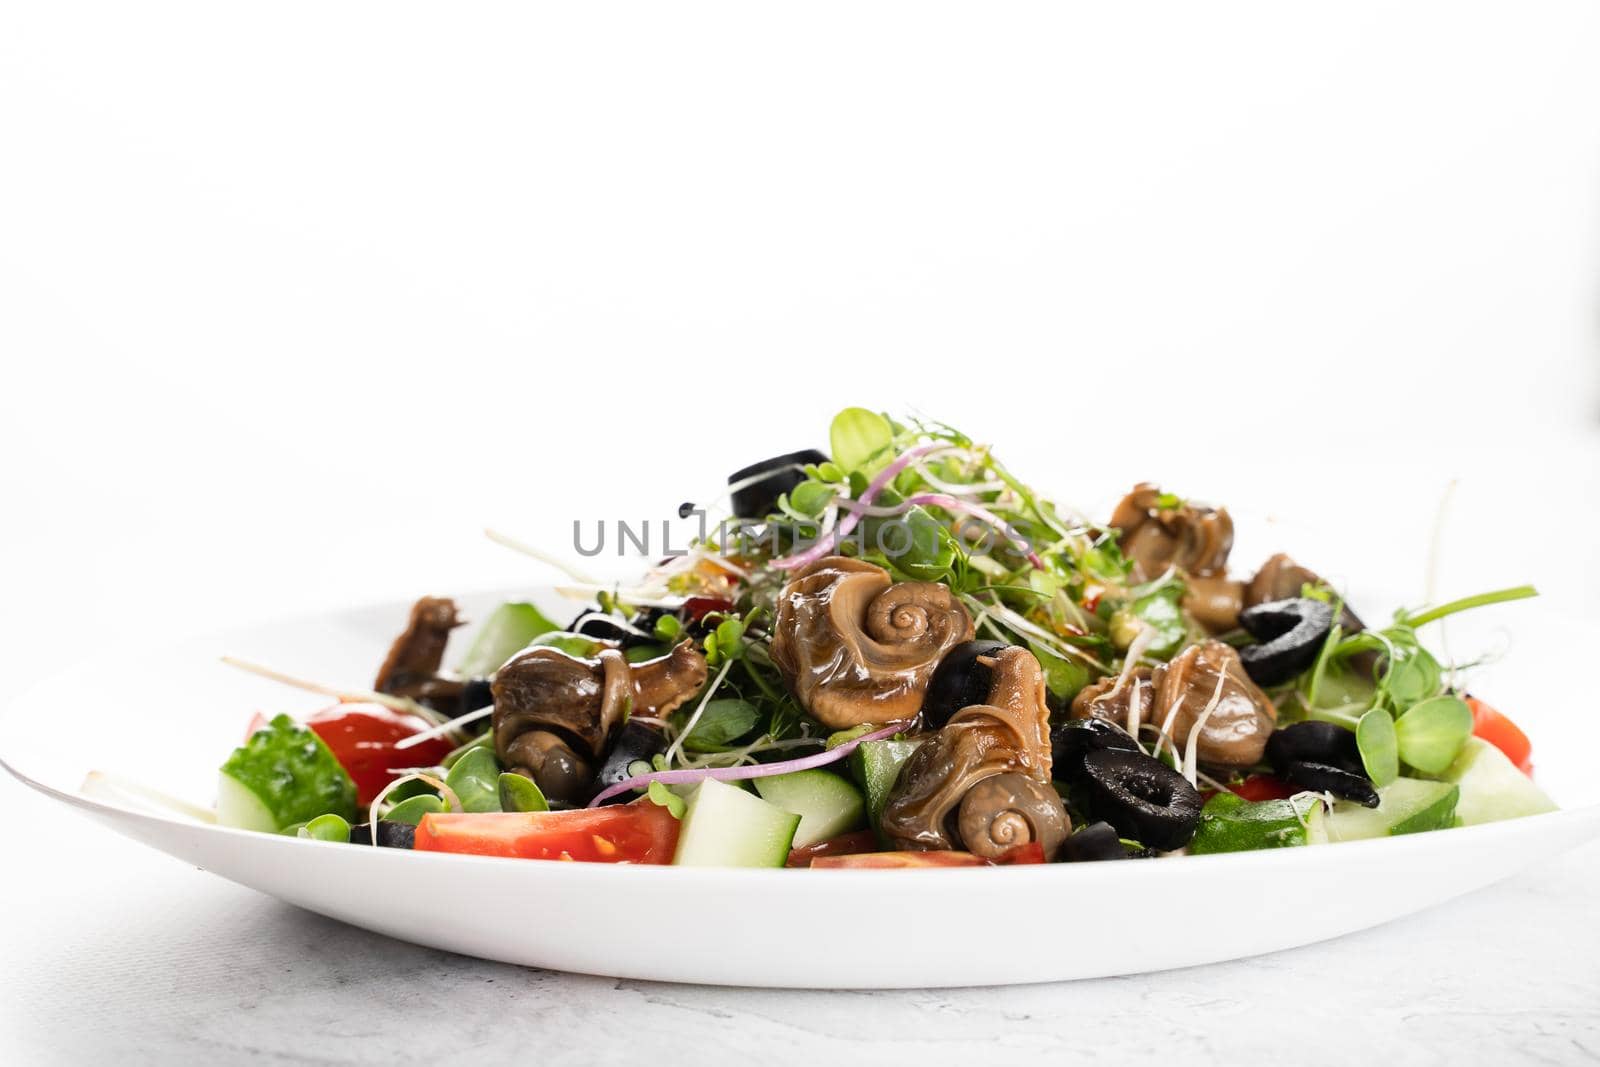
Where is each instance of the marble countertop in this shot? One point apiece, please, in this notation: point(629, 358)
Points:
point(114, 951)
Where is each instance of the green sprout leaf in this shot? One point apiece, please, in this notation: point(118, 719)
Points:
point(809, 498)
point(1415, 677)
point(660, 794)
point(476, 780)
point(520, 794)
point(857, 435)
point(1432, 733)
point(411, 811)
point(1380, 749)
point(329, 827)
point(723, 721)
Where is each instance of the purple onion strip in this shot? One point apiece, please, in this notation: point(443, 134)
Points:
point(734, 774)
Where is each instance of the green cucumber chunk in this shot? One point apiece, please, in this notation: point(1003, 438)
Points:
point(509, 629)
point(1491, 786)
point(827, 804)
point(875, 765)
point(282, 775)
point(1230, 823)
point(1405, 806)
point(724, 826)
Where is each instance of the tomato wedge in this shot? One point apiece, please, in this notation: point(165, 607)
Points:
point(884, 860)
point(1264, 787)
point(639, 832)
point(362, 738)
point(851, 844)
point(1502, 733)
point(1032, 852)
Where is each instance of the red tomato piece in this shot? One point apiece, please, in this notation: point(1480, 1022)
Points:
point(881, 860)
point(844, 845)
point(1032, 852)
point(1264, 787)
point(1502, 733)
point(639, 832)
point(362, 738)
point(698, 607)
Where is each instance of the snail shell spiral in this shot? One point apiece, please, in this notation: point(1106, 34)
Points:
point(1007, 810)
point(855, 647)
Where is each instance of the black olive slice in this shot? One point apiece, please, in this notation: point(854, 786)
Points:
point(1142, 797)
point(760, 498)
point(391, 834)
point(1291, 633)
point(1097, 841)
point(1321, 778)
point(1070, 741)
point(958, 681)
point(635, 741)
point(1314, 742)
point(475, 694)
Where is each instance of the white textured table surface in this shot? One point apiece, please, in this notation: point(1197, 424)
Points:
point(120, 953)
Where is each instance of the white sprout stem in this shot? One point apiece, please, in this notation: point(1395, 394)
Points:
point(1050, 641)
point(623, 624)
point(1136, 651)
point(741, 755)
point(444, 728)
point(745, 483)
point(651, 720)
point(1191, 749)
point(954, 489)
point(393, 703)
point(637, 597)
point(103, 785)
point(507, 541)
point(1164, 731)
point(1133, 714)
point(444, 789)
point(1435, 544)
point(675, 750)
point(721, 563)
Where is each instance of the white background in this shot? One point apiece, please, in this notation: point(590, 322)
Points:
point(296, 298)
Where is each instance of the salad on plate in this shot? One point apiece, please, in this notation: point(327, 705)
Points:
point(897, 654)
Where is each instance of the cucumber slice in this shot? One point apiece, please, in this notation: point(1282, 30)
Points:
point(509, 629)
point(1491, 786)
point(1229, 823)
point(726, 827)
point(282, 775)
point(1405, 806)
point(827, 804)
point(238, 806)
point(875, 765)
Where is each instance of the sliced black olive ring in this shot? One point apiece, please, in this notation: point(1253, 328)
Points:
point(1070, 741)
point(1291, 633)
point(759, 498)
point(1142, 797)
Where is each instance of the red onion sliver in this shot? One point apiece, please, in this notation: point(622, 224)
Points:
point(734, 774)
point(848, 523)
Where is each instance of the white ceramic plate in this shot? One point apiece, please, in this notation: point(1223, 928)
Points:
point(169, 721)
